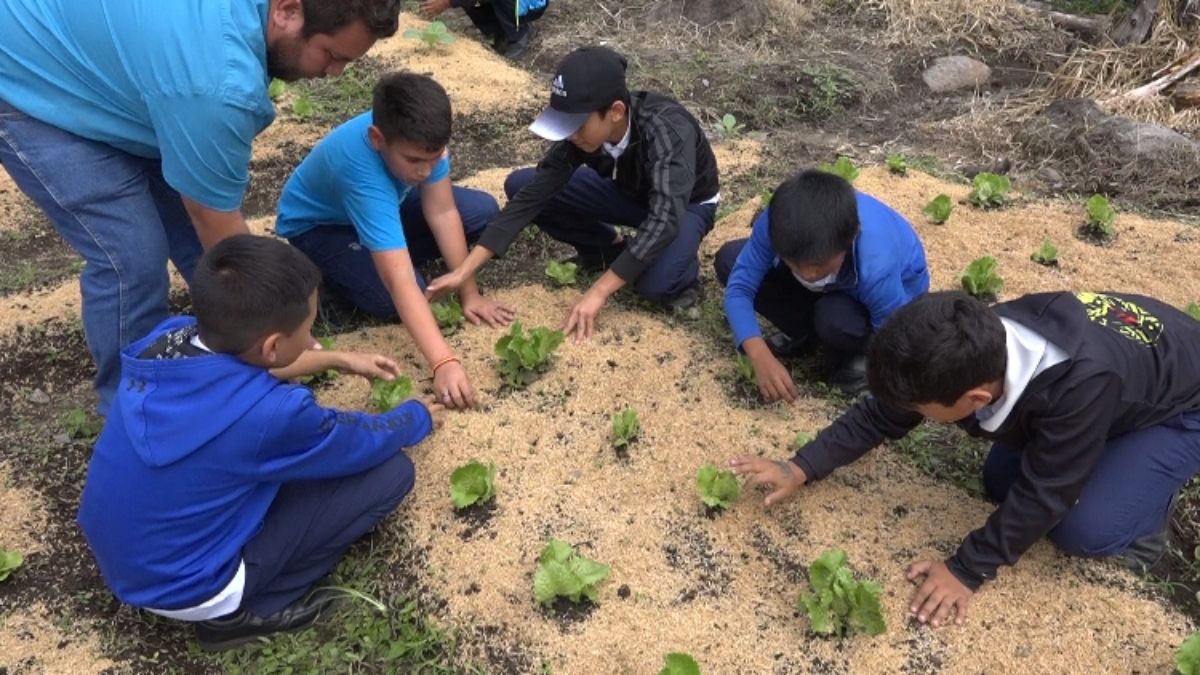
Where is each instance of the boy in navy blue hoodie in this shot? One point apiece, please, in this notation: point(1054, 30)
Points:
point(824, 262)
point(218, 492)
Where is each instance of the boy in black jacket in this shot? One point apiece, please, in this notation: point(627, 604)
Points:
point(639, 160)
point(1092, 401)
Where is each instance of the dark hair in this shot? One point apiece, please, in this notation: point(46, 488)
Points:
point(381, 17)
point(813, 217)
point(414, 108)
point(935, 349)
point(248, 286)
point(625, 98)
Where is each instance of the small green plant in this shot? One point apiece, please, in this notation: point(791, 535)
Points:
point(523, 357)
point(838, 602)
point(79, 425)
point(990, 190)
point(625, 428)
point(473, 483)
point(765, 197)
point(10, 561)
point(802, 439)
point(897, 164)
point(1193, 310)
point(728, 127)
point(678, 663)
point(448, 314)
point(563, 273)
point(718, 488)
point(276, 88)
point(981, 280)
point(302, 107)
point(327, 376)
point(842, 167)
point(1187, 659)
point(745, 369)
point(938, 209)
point(1100, 217)
point(1047, 254)
point(387, 394)
point(434, 34)
point(563, 573)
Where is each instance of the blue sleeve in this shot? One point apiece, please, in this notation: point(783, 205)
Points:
point(308, 442)
point(751, 267)
point(205, 145)
point(883, 297)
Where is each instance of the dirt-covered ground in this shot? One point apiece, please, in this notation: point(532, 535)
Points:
point(818, 80)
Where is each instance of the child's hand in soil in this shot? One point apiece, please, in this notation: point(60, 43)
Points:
point(452, 388)
point(940, 595)
point(774, 380)
point(582, 319)
point(783, 476)
point(370, 366)
point(437, 412)
point(478, 309)
point(432, 8)
point(449, 281)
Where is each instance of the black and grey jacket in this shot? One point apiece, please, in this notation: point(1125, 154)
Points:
point(1131, 363)
point(667, 166)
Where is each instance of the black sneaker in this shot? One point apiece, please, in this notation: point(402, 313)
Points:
point(782, 346)
point(600, 260)
point(516, 49)
point(850, 376)
point(1147, 550)
point(242, 627)
point(687, 298)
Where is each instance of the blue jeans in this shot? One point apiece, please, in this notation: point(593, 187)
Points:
point(119, 214)
point(309, 527)
point(348, 269)
point(840, 323)
point(584, 213)
point(1128, 492)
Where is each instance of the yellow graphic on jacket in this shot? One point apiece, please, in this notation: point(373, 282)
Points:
point(1122, 316)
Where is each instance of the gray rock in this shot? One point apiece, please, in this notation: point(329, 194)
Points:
point(39, 397)
point(949, 73)
point(1108, 135)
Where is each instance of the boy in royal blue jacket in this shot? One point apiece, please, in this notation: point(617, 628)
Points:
point(218, 492)
point(824, 262)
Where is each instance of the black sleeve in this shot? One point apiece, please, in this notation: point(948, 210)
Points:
point(552, 174)
point(671, 156)
point(864, 426)
point(1067, 443)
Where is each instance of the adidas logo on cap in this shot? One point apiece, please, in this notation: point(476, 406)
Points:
point(557, 87)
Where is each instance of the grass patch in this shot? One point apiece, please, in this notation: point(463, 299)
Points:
point(946, 453)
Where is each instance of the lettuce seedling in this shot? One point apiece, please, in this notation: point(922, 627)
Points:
point(473, 483)
point(980, 279)
point(897, 164)
point(1100, 218)
point(837, 601)
point(1193, 310)
point(563, 573)
point(433, 35)
point(387, 394)
point(79, 425)
point(1047, 254)
point(448, 314)
point(1187, 659)
point(842, 167)
point(563, 273)
point(624, 428)
point(523, 356)
point(802, 439)
point(678, 663)
point(718, 488)
point(276, 88)
point(990, 190)
point(10, 561)
point(745, 369)
point(938, 209)
point(729, 127)
point(302, 107)
point(765, 198)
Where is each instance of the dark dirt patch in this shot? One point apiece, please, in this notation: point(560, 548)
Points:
point(690, 549)
point(485, 140)
point(568, 614)
point(476, 517)
point(34, 256)
point(795, 571)
point(268, 174)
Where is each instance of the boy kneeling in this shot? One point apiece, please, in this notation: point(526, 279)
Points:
point(218, 492)
point(1092, 402)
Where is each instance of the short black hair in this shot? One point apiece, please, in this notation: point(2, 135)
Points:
point(935, 349)
point(414, 108)
point(813, 217)
point(625, 98)
point(247, 287)
point(381, 17)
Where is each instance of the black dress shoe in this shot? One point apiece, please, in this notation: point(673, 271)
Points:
point(241, 627)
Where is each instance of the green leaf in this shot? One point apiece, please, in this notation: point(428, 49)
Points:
point(678, 663)
point(79, 424)
point(980, 278)
point(473, 483)
point(1187, 659)
point(802, 439)
point(1047, 254)
point(897, 164)
point(562, 572)
point(1100, 218)
point(866, 614)
point(10, 561)
point(303, 107)
point(448, 314)
point(990, 190)
point(1193, 310)
point(717, 488)
point(745, 369)
point(387, 394)
point(837, 601)
point(841, 167)
point(563, 273)
point(938, 210)
point(765, 196)
point(552, 580)
point(820, 616)
point(624, 428)
point(276, 88)
point(823, 570)
point(556, 549)
point(522, 357)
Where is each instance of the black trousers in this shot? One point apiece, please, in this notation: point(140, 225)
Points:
point(499, 17)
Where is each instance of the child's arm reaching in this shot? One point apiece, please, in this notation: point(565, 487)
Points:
point(314, 361)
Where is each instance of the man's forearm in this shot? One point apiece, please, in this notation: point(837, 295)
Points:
point(213, 226)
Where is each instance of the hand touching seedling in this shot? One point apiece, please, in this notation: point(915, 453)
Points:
point(783, 476)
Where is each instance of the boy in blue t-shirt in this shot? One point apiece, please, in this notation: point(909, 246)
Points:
point(822, 261)
point(351, 207)
point(218, 492)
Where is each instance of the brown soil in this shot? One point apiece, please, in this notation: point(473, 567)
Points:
point(31, 642)
point(713, 587)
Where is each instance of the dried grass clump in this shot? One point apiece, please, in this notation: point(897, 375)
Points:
point(1001, 26)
